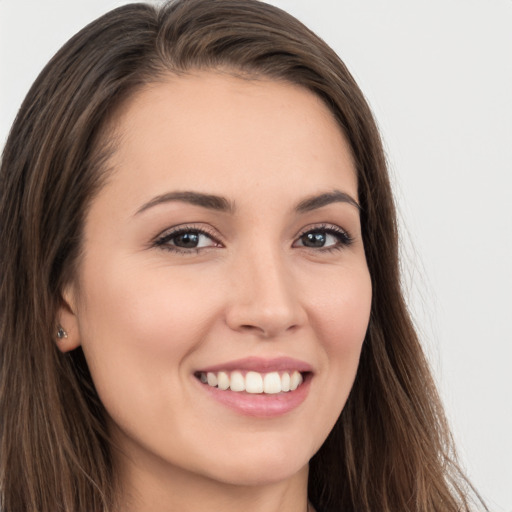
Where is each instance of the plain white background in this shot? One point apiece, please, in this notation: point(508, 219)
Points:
point(438, 75)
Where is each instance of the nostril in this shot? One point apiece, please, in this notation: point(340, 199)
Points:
point(269, 329)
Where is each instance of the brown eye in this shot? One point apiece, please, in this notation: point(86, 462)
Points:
point(314, 239)
point(324, 238)
point(186, 239)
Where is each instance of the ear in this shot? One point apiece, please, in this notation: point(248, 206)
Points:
point(67, 333)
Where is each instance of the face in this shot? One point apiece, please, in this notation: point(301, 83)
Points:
point(225, 251)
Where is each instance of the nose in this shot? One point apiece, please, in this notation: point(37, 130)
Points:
point(264, 299)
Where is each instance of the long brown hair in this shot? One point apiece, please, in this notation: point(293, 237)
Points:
point(390, 450)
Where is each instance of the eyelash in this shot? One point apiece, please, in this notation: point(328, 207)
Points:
point(163, 241)
point(343, 237)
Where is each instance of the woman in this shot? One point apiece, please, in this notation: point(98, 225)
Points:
point(201, 306)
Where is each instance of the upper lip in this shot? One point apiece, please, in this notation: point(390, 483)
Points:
point(261, 365)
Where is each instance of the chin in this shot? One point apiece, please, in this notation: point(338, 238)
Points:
point(262, 465)
point(248, 475)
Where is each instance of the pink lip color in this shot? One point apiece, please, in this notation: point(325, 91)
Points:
point(261, 365)
point(260, 405)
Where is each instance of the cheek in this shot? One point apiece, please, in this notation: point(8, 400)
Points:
point(144, 309)
point(342, 311)
point(341, 321)
point(137, 329)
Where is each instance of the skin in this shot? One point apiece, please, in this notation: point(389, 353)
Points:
point(148, 317)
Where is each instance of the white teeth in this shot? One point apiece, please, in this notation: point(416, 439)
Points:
point(237, 382)
point(223, 380)
point(295, 380)
point(212, 379)
point(272, 383)
point(285, 382)
point(254, 382)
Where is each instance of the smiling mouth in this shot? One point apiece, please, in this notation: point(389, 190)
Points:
point(252, 382)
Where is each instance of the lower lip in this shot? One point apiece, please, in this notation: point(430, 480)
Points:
point(260, 405)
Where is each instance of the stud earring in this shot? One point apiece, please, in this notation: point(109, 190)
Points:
point(61, 333)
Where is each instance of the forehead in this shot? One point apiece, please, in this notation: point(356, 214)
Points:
point(212, 129)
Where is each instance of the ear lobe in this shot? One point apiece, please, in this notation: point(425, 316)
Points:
point(67, 334)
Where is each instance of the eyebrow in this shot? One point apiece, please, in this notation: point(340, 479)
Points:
point(209, 201)
point(315, 202)
point(219, 203)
